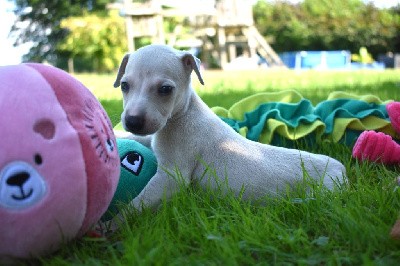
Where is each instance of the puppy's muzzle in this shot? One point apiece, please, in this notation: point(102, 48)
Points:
point(134, 123)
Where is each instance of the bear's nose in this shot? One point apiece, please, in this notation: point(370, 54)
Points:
point(18, 179)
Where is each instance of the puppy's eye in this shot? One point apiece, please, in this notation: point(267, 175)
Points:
point(165, 90)
point(124, 86)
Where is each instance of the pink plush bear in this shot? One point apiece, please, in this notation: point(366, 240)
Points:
point(377, 146)
point(59, 166)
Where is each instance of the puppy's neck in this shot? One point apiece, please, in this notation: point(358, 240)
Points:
point(180, 117)
point(183, 106)
point(182, 126)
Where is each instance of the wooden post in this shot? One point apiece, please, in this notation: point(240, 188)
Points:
point(129, 33)
point(70, 65)
point(160, 29)
point(129, 28)
point(231, 47)
point(222, 46)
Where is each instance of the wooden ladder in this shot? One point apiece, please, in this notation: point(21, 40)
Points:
point(258, 43)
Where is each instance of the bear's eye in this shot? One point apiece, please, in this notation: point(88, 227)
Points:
point(165, 90)
point(110, 145)
point(38, 159)
point(124, 86)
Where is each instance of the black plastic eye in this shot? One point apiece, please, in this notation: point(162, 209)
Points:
point(38, 159)
point(165, 90)
point(124, 86)
point(132, 161)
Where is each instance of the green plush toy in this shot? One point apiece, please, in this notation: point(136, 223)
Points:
point(138, 166)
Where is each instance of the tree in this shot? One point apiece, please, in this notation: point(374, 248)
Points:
point(350, 24)
point(396, 39)
point(99, 40)
point(328, 25)
point(39, 22)
point(283, 24)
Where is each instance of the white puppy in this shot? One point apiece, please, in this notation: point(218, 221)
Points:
point(158, 100)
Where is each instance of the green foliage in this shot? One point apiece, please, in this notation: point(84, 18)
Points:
point(335, 8)
point(38, 22)
point(328, 25)
point(281, 23)
point(98, 39)
point(310, 25)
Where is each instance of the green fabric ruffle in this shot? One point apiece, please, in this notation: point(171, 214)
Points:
point(279, 118)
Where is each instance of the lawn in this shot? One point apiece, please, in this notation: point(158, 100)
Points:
point(225, 88)
point(349, 226)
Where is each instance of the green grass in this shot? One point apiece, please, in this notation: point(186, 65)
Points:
point(225, 88)
point(349, 226)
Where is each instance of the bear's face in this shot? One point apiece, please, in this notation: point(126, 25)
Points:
point(22, 186)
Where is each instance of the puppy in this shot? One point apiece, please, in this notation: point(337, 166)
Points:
point(159, 101)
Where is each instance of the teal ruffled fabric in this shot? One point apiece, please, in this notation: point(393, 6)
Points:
point(281, 123)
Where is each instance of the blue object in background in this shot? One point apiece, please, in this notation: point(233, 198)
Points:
point(318, 59)
point(374, 65)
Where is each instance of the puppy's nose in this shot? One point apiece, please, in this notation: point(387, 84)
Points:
point(134, 123)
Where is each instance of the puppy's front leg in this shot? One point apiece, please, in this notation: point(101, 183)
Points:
point(160, 185)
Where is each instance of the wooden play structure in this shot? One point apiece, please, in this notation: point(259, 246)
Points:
point(223, 30)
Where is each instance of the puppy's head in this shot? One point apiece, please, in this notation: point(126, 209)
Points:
point(155, 84)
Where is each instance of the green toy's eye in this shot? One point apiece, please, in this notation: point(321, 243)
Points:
point(132, 161)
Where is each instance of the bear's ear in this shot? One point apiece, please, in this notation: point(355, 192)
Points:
point(45, 128)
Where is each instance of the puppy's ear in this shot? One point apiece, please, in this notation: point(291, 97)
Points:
point(121, 70)
point(193, 63)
